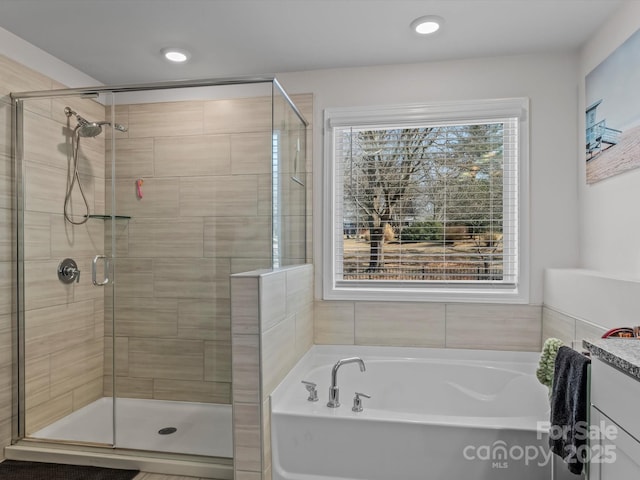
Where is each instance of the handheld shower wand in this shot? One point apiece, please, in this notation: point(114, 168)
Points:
point(84, 128)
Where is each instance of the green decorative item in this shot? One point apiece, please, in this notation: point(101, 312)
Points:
point(544, 373)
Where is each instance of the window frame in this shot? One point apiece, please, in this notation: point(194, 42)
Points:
point(424, 114)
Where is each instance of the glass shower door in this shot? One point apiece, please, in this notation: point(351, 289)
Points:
point(63, 249)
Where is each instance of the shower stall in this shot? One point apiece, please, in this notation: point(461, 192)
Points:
point(133, 206)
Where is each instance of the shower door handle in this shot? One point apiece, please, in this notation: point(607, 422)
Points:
point(94, 270)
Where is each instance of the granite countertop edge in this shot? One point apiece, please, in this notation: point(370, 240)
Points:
point(621, 353)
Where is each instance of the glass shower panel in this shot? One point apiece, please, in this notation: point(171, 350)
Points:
point(289, 182)
point(133, 209)
point(188, 178)
point(61, 216)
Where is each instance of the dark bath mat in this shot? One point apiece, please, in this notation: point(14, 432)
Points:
point(15, 470)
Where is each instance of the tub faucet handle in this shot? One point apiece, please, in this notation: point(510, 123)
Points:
point(311, 388)
point(357, 401)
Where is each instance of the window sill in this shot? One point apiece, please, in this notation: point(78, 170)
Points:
point(451, 294)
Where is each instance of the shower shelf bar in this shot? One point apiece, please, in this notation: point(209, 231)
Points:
point(109, 217)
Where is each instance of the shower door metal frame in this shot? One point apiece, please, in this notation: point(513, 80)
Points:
point(17, 103)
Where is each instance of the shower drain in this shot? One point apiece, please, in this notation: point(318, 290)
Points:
point(167, 430)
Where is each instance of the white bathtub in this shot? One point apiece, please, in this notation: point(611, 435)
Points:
point(435, 414)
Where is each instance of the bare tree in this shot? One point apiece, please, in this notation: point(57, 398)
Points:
point(381, 179)
point(450, 175)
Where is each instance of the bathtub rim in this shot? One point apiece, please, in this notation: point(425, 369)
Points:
point(325, 356)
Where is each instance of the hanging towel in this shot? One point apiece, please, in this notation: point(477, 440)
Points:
point(547, 362)
point(569, 432)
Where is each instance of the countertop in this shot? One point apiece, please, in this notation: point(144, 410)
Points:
point(622, 353)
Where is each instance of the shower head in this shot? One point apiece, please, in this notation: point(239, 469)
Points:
point(88, 129)
point(85, 128)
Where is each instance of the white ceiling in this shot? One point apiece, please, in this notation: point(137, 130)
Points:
point(118, 41)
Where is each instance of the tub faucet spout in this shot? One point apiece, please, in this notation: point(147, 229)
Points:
point(334, 391)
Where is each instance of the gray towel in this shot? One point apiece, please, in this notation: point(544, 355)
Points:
point(569, 408)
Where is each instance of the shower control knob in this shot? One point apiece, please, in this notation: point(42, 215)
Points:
point(68, 271)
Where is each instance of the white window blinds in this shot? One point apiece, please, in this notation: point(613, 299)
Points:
point(432, 204)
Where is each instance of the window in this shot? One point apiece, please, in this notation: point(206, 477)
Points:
point(427, 202)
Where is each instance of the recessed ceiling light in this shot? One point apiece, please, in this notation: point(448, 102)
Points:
point(427, 24)
point(175, 55)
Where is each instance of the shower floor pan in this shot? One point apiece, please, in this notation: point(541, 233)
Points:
point(200, 428)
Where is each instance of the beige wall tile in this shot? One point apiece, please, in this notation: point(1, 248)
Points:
point(241, 265)
point(37, 373)
point(6, 234)
point(205, 319)
point(166, 358)
point(192, 156)
point(6, 183)
point(46, 187)
point(98, 317)
point(6, 340)
point(45, 414)
point(304, 330)
point(166, 237)
point(244, 475)
point(293, 243)
point(69, 240)
point(304, 103)
point(587, 331)
point(159, 198)
point(59, 327)
point(558, 325)
point(42, 287)
point(265, 194)
point(15, 77)
point(75, 367)
point(87, 393)
point(190, 391)
point(299, 288)
point(217, 361)
point(495, 327)
point(273, 299)
point(238, 115)
point(48, 142)
point(37, 236)
point(334, 323)
point(6, 392)
point(246, 368)
point(6, 276)
point(122, 356)
point(165, 119)
point(220, 196)
point(245, 298)
point(400, 324)
point(146, 317)
point(251, 153)
point(191, 278)
point(237, 237)
point(278, 354)
point(120, 228)
point(266, 433)
point(133, 277)
point(134, 158)
point(5, 129)
point(129, 387)
point(246, 427)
